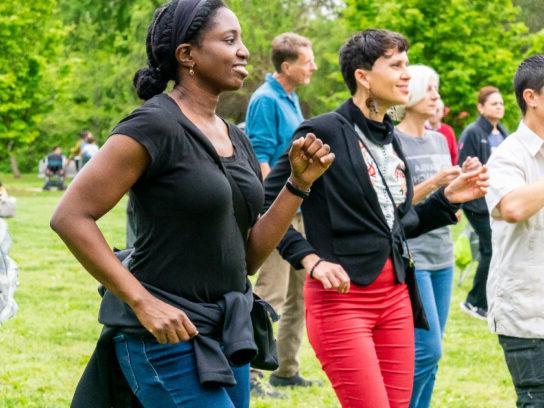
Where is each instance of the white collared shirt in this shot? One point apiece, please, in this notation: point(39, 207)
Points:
point(515, 285)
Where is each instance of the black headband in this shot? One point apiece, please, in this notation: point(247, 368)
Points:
point(183, 17)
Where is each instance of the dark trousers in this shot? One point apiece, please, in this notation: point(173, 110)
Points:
point(480, 224)
point(525, 361)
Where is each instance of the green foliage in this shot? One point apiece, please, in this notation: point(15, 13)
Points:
point(532, 13)
point(463, 254)
point(68, 65)
point(326, 90)
point(104, 49)
point(470, 43)
point(31, 38)
point(261, 22)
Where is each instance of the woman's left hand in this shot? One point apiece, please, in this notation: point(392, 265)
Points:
point(468, 186)
point(470, 164)
point(309, 158)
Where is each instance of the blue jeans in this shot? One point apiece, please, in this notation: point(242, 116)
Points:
point(435, 290)
point(165, 376)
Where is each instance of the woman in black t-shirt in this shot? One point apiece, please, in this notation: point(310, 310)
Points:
point(196, 192)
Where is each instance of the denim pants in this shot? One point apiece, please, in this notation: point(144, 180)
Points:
point(165, 376)
point(525, 361)
point(435, 290)
point(480, 223)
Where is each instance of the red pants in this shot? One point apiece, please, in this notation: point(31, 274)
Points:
point(364, 340)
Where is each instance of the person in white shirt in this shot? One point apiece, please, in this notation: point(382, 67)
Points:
point(89, 150)
point(515, 287)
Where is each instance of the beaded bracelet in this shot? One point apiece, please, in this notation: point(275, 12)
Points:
point(315, 266)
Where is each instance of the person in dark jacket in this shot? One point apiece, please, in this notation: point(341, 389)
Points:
point(356, 219)
point(178, 311)
point(479, 139)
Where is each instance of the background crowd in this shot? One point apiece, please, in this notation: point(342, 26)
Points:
point(50, 92)
point(421, 114)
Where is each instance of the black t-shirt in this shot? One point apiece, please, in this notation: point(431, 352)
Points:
point(188, 242)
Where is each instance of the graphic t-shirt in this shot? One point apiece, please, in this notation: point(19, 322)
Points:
point(385, 159)
point(426, 156)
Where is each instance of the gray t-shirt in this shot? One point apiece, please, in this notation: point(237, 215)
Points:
point(426, 156)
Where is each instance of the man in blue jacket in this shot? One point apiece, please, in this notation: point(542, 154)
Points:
point(272, 117)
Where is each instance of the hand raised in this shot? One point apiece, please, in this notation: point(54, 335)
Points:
point(468, 186)
point(470, 164)
point(447, 175)
point(166, 323)
point(309, 159)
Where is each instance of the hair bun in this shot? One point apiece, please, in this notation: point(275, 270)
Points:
point(149, 82)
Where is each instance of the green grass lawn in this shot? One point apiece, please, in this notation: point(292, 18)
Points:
point(45, 347)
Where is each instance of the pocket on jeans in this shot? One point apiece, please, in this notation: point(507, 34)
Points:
point(525, 360)
point(123, 356)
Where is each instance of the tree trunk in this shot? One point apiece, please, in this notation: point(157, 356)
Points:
point(14, 166)
point(13, 161)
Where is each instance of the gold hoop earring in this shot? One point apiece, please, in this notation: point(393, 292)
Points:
point(192, 71)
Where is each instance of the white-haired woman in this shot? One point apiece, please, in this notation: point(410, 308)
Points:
point(429, 160)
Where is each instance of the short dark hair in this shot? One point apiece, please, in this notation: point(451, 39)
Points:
point(486, 92)
point(363, 49)
point(84, 133)
point(285, 47)
point(162, 64)
point(529, 75)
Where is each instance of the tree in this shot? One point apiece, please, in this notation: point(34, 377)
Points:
point(470, 43)
point(105, 47)
point(261, 21)
point(532, 13)
point(31, 38)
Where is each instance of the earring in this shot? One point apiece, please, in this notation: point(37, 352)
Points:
point(372, 103)
point(192, 71)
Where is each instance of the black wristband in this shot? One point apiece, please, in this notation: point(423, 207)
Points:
point(297, 191)
point(315, 266)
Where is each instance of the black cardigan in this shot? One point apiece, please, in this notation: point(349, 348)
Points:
point(342, 217)
point(474, 142)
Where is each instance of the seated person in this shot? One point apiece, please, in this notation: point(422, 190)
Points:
point(55, 164)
